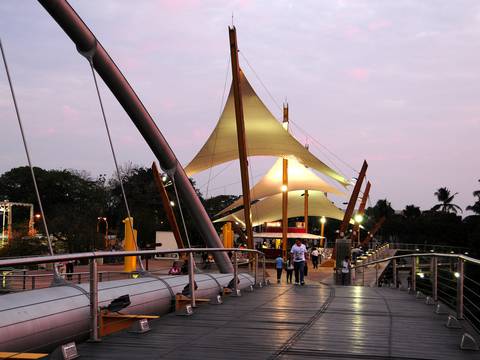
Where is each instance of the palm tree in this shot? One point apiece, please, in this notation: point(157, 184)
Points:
point(445, 206)
point(476, 206)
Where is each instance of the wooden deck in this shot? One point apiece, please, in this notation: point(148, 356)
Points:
point(293, 322)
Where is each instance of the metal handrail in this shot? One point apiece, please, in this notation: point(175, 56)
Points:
point(102, 254)
point(94, 273)
point(434, 276)
point(455, 256)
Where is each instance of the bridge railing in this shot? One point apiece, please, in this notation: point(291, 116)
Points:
point(451, 279)
point(255, 260)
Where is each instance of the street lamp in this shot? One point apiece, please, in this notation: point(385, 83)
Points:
point(323, 220)
point(358, 219)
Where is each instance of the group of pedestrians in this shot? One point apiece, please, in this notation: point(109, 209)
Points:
point(295, 264)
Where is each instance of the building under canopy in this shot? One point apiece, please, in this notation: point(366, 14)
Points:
point(299, 178)
point(270, 208)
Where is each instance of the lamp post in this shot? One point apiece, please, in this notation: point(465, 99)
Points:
point(105, 240)
point(358, 219)
point(323, 220)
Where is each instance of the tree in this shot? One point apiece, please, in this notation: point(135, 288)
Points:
point(72, 201)
point(411, 212)
point(476, 206)
point(443, 195)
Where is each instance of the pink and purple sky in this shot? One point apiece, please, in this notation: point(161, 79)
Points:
point(393, 82)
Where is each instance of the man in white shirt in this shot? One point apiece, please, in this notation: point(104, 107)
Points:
point(297, 254)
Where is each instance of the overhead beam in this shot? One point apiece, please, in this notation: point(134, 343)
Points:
point(89, 46)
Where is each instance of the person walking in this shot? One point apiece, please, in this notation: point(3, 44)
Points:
point(298, 254)
point(315, 254)
point(279, 266)
point(289, 267)
point(345, 270)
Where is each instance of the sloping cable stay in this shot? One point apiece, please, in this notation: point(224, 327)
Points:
point(89, 57)
point(27, 153)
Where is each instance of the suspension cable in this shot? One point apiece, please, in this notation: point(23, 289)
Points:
point(37, 193)
point(115, 159)
point(216, 134)
point(181, 212)
point(293, 123)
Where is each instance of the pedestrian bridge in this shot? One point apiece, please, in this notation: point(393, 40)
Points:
point(318, 320)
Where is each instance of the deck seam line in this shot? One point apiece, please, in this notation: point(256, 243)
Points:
point(289, 343)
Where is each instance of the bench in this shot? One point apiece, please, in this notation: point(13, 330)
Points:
point(114, 322)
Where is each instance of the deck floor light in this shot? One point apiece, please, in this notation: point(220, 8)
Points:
point(66, 352)
point(456, 274)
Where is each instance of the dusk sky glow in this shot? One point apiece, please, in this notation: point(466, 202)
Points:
point(393, 82)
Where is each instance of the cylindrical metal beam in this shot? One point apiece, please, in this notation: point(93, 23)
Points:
point(88, 45)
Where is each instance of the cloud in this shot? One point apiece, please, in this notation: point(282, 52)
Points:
point(359, 74)
point(379, 24)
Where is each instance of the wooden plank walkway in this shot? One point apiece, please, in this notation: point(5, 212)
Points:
point(293, 322)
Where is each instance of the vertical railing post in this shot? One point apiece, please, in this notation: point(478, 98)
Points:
point(263, 270)
point(376, 274)
point(394, 269)
point(94, 300)
point(191, 278)
point(235, 273)
point(435, 278)
point(256, 269)
point(460, 280)
point(363, 275)
point(33, 282)
point(414, 274)
point(80, 278)
point(24, 279)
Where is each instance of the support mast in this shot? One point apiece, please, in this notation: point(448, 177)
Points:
point(242, 145)
point(285, 191)
point(166, 205)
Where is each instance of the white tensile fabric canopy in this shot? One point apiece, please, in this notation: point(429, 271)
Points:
point(299, 178)
point(265, 136)
point(270, 209)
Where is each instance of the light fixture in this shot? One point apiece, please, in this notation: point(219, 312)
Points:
point(284, 188)
point(323, 220)
point(164, 178)
point(358, 218)
point(422, 275)
point(172, 203)
point(456, 274)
